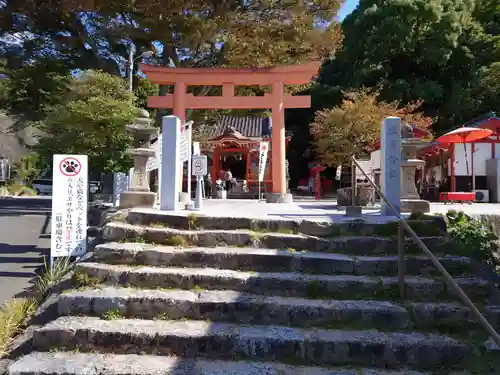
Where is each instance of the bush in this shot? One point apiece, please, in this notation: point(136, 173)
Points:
point(474, 238)
point(12, 319)
point(14, 314)
point(18, 189)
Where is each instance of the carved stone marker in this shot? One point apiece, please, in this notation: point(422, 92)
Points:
point(139, 194)
point(390, 160)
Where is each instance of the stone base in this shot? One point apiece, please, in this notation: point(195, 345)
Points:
point(184, 198)
point(131, 199)
point(279, 198)
point(415, 205)
point(353, 211)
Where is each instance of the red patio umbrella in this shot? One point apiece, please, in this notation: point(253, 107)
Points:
point(464, 135)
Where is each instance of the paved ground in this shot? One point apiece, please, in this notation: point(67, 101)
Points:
point(24, 238)
point(324, 210)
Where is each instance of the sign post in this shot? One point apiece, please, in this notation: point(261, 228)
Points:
point(69, 206)
point(186, 153)
point(200, 169)
point(263, 150)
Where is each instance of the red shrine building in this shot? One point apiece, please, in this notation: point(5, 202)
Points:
point(233, 143)
point(447, 165)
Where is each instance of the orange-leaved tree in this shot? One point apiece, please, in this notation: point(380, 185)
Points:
point(353, 127)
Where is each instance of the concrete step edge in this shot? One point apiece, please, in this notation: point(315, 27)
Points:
point(66, 363)
point(275, 343)
point(279, 283)
point(246, 258)
point(123, 232)
point(229, 306)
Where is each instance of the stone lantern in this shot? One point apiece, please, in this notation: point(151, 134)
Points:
point(139, 193)
point(410, 199)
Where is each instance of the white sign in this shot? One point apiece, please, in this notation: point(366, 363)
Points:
point(185, 143)
point(263, 150)
point(196, 148)
point(154, 162)
point(200, 165)
point(338, 172)
point(69, 205)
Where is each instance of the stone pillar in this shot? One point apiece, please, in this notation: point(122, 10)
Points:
point(278, 147)
point(170, 166)
point(390, 160)
point(139, 194)
point(120, 184)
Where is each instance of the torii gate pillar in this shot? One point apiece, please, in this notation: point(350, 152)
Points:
point(229, 78)
point(179, 106)
point(278, 147)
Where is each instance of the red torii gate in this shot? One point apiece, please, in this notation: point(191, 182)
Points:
point(228, 78)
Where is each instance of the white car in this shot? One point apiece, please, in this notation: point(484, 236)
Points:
point(43, 186)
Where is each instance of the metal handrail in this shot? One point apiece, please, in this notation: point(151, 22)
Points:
point(449, 280)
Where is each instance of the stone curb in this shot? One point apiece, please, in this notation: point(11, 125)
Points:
point(358, 227)
point(251, 259)
point(229, 306)
point(282, 284)
point(97, 364)
point(362, 245)
point(265, 343)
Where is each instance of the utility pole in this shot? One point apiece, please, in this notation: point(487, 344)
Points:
point(131, 69)
point(131, 61)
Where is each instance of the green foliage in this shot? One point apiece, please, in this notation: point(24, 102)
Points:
point(434, 50)
point(144, 88)
point(193, 33)
point(91, 121)
point(35, 88)
point(474, 238)
point(29, 167)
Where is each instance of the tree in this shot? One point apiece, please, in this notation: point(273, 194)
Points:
point(418, 49)
point(91, 121)
point(352, 128)
point(34, 88)
point(192, 33)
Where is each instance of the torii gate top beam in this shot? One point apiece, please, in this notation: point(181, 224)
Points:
point(290, 75)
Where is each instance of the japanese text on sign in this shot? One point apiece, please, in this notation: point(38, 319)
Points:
point(69, 210)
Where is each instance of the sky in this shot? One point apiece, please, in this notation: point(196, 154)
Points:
point(347, 8)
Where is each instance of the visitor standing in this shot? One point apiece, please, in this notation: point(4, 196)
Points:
point(208, 186)
point(228, 178)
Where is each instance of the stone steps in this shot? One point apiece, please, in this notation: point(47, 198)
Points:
point(262, 343)
point(252, 259)
point(230, 306)
point(143, 216)
point(288, 284)
point(178, 294)
point(356, 245)
point(61, 363)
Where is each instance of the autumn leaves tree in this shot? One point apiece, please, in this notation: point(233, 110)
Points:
point(353, 127)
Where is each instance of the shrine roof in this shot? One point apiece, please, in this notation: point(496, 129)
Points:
point(292, 75)
point(249, 127)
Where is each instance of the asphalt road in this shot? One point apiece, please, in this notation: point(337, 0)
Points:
point(24, 240)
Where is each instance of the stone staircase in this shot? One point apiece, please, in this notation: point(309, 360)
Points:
point(198, 295)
